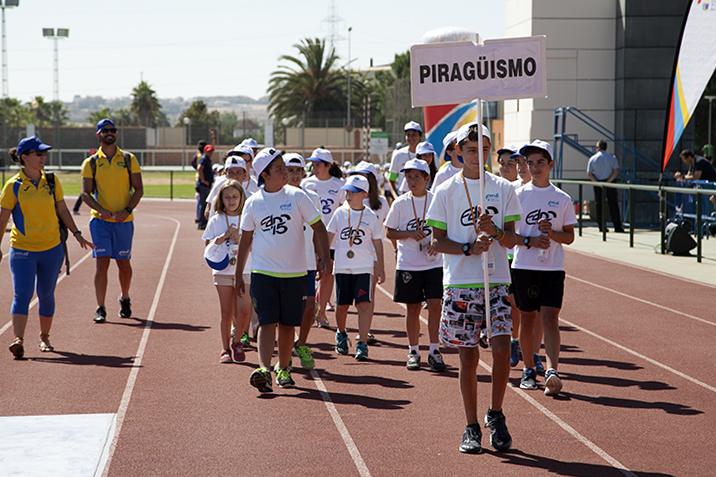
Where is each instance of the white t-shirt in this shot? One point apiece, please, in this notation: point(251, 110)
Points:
point(398, 160)
point(450, 211)
point(369, 229)
point(330, 193)
point(412, 256)
point(217, 226)
point(276, 219)
point(549, 203)
point(445, 173)
point(308, 233)
point(382, 213)
point(250, 187)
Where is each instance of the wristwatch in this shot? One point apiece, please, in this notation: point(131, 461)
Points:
point(466, 249)
point(526, 241)
point(129, 211)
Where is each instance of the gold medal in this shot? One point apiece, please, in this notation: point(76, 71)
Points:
point(350, 254)
point(232, 261)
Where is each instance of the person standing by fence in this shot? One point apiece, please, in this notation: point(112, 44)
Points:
point(603, 167)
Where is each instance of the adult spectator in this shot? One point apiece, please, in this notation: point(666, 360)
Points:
point(413, 135)
point(205, 171)
point(603, 167)
point(112, 188)
point(700, 169)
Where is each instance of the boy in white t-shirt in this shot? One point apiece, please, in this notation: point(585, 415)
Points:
point(538, 267)
point(419, 268)
point(356, 235)
point(272, 227)
point(452, 164)
point(413, 135)
point(465, 242)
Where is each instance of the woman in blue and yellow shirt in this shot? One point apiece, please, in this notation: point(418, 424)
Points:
point(36, 252)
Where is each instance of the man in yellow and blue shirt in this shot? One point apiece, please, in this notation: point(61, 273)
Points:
point(112, 188)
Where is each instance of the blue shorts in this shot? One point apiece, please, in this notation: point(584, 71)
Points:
point(311, 282)
point(112, 239)
point(32, 270)
point(278, 300)
point(350, 288)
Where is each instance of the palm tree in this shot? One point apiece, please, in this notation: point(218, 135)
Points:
point(97, 116)
point(14, 112)
point(145, 104)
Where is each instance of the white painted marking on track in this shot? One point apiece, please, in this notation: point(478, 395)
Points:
point(342, 429)
point(127, 395)
point(592, 446)
point(640, 300)
point(59, 279)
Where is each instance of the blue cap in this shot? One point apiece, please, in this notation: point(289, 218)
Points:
point(357, 183)
point(31, 143)
point(105, 122)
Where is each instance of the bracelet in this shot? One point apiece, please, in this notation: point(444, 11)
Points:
point(500, 237)
point(78, 232)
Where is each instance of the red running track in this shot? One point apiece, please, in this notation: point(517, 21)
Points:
point(636, 364)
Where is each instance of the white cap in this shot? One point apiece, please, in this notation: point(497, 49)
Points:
point(264, 158)
point(545, 146)
point(425, 148)
point(356, 183)
point(364, 167)
point(412, 125)
point(234, 161)
point(294, 160)
point(251, 142)
point(464, 131)
point(217, 255)
point(417, 164)
point(321, 154)
point(511, 149)
point(243, 149)
point(217, 167)
point(517, 152)
point(449, 138)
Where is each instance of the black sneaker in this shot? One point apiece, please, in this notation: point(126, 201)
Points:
point(500, 437)
point(284, 379)
point(471, 440)
point(529, 379)
point(100, 315)
point(342, 342)
point(435, 360)
point(261, 380)
point(413, 362)
point(126, 311)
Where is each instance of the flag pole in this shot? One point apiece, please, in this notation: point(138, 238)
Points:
point(485, 261)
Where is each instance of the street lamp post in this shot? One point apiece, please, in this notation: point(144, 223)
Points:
point(62, 33)
point(348, 107)
point(187, 122)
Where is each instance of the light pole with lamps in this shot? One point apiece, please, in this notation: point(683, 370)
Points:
point(187, 122)
point(62, 33)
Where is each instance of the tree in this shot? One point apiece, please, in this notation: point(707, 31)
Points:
point(124, 117)
point(40, 112)
point(97, 116)
point(145, 105)
point(201, 121)
point(14, 112)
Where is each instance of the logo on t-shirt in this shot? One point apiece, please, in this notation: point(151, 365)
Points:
point(347, 234)
point(288, 206)
point(326, 206)
point(414, 224)
point(534, 216)
point(332, 191)
point(466, 216)
point(276, 225)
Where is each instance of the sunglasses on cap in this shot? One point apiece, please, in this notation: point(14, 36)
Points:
point(108, 130)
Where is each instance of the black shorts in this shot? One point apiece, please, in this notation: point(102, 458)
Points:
point(538, 288)
point(278, 300)
point(418, 286)
point(350, 288)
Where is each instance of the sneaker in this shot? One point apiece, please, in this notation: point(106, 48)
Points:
point(435, 360)
point(538, 363)
point(17, 349)
point(514, 353)
point(370, 340)
point(100, 315)
point(126, 311)
point(529, 379)
point(500, 437)
point(330, 307)
point(322, 321)
point(225, 356)
point(342, 342)
point(471, 440)
point(237, 350)
point(552, 383)
point(75, 212)
point(284, 379)
point(361, 351)
point(277, 368)
point(245, 341)
point(413, 363)
point(483, 341)
point(261, 380)
point(304, 353)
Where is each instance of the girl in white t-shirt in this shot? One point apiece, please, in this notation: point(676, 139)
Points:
point(223, 228)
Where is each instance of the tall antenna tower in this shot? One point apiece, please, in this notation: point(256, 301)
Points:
point(334, 25)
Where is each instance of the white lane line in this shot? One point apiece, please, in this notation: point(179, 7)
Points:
point(639, 355)
point(59, 279)
point(590, 445)
point(342, 429)
point(124, 403)
point(670, 310)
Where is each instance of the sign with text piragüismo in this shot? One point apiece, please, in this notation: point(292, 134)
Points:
point(459, 72)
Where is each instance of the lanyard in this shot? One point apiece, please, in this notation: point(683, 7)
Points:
point(420, 225)
point(472, 212)
point(352, 237)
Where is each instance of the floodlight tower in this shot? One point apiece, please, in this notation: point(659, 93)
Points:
point(62, 33)
point(3, 5)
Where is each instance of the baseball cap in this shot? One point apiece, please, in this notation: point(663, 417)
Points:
point(412, 125)
point(517, 152)
point(208, 148)
point(217, 255)
point(242, 149)
point(538, 144)
point(449, 138)
point(356, 183)
point(251, 142)
point(511, 149)
point(104, 122)
point(294, 160)
point(232, 162)
point(464, 131)
point(217, 167)
point(417, 164)
point(321, 154)
point(425, 148)
point(264, 158)
point(31, 143)
point(365, 167)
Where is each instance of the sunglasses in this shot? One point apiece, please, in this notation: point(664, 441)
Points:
point(37, 153)
point(108, 130)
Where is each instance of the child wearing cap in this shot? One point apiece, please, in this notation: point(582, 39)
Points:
point(538, 267)
point(465, 242)
point(272, 227)
point(452, 164)
point(356, 234)
point(413, 134)
point(234, 168)
point(326, 182)
point(419, 272)
point(425, 152)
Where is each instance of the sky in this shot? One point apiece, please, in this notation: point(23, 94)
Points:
point(185, 48)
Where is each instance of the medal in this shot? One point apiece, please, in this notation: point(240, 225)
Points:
point(420, 225)
point(232, 261)
point(350, 254)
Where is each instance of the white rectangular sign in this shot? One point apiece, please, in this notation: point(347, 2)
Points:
point(460, 72)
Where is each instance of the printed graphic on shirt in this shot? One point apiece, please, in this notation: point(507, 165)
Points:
point(349, 233)
point(275, 224)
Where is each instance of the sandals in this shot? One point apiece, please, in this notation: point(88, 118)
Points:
point(45, 345)
point(17, 349)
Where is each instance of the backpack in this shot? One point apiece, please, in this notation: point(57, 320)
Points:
point(127, 163)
